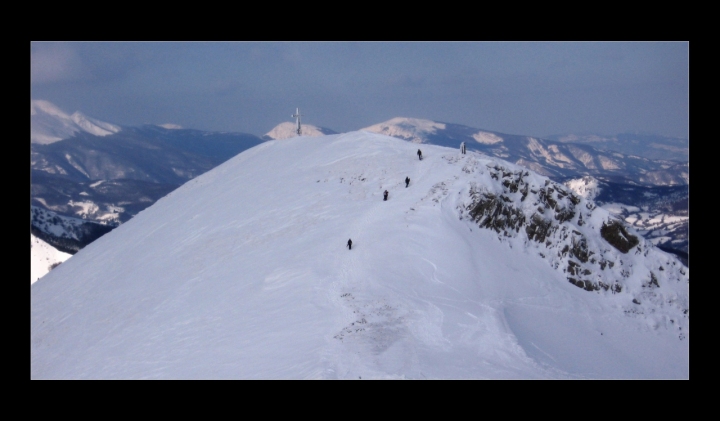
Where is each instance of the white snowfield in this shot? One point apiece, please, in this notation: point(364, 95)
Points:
point(244, 273)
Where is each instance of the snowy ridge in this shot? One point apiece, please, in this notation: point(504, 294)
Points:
point(93, 126)
point(242, 273)
point(49, 124)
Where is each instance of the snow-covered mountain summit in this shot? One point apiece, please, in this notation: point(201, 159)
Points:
point(287, 129)
point(48, 123)
point(412, 129)
point(478, 268)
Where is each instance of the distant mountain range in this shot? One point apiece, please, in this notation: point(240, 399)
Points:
point(646, 145)
point(550, 158)
point(102, 173)
point(110, 179)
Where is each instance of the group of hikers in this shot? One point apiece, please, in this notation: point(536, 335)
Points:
point(407, 183)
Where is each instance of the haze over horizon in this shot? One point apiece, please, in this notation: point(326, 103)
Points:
point(527, 88)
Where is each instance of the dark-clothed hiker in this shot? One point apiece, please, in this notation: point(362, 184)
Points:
point(407, 181)
point(385, 195)
point(419, 154)
point(349, 244)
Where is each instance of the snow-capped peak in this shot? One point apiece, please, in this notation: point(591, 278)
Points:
point(93, 126)
point(287, 129)
point(412, 129)
point(48, 123)
point(170, 126)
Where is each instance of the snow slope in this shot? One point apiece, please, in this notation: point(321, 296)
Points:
point(243, 273)
point(42, 258)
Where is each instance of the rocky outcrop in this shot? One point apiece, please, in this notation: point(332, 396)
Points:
point(597, 251)
point(615, 233)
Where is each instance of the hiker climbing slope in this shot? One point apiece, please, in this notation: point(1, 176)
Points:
point(419, 153)
point(407, 181)
point(385, 195)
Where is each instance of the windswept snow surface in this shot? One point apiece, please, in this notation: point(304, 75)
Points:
point(244, 273)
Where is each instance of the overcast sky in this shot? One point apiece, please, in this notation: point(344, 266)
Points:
point(530, 88)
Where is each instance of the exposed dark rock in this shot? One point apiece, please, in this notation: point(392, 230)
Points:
point(512, 186)
point(538, 228)
point(584, 284)
point(614, 288)
point(579, 249)
point(573, 267)
point(491, 211)
point(614, 233)
point(652, 283)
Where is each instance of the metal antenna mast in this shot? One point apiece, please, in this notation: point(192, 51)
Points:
point(296, 116)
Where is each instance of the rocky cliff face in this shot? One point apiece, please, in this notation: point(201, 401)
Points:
point(597, 251)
